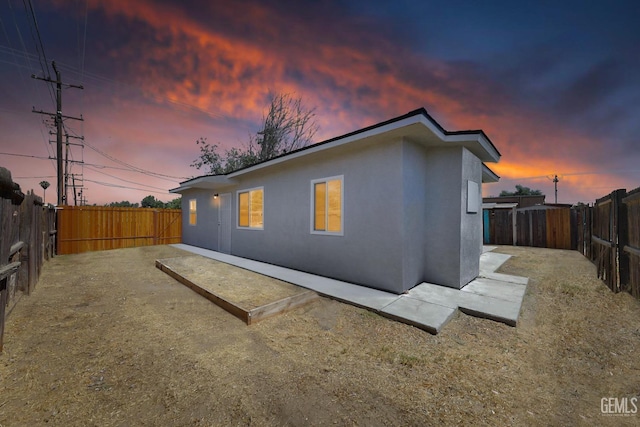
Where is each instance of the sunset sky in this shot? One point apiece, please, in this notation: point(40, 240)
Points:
point(555, 85)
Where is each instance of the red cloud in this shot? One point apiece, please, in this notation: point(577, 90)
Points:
point(356, 78)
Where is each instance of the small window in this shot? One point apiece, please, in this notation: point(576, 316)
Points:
point(327, 202)
point(193, 214)
point(251, 208)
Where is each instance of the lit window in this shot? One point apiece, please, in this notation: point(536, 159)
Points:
point(326, 215)
point(251, 208)
point(193, 214)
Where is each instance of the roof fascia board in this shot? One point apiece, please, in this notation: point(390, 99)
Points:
point(207, 181)
point(488, 175)
point(332, 144)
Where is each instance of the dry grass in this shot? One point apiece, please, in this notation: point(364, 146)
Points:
point(242, 287)
point(108, 339)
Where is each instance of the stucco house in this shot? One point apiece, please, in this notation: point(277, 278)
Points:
point(389, 206)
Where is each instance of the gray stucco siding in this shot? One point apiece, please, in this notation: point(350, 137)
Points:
point(442, 218)
point(205, 233)
point(414, 208)
point(405, 218)
point(470, 223)
point(370, 250)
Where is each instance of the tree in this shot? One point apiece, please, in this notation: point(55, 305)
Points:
point(174, 204)
point(151, 202)
point(287, 126)
point(521, 191)
point(122, 204)
point(44, 185)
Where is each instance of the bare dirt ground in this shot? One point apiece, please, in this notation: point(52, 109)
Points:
point(109, 340)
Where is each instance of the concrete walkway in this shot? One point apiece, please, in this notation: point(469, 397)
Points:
point(427, 306)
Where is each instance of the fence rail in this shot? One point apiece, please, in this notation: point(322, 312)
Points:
point(96, 228)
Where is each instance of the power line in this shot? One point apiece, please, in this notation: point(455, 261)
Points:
point(125, 180)
point(108, 184)
point(39, 44)
point(26, 54)
point(131, 167)
point(25, 155)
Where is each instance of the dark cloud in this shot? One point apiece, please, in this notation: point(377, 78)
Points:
point(594, 88)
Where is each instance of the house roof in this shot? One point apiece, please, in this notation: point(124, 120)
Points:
point(488, 175)
point(416, 125)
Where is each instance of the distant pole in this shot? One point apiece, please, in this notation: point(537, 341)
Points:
point(66, 172)
point(59, 135)
point(75, 195)
point(555, 183)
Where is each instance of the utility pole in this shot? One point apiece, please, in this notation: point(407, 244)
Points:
point(66, 171)
point(59, 125)
point(75, 195)
point(555, 184)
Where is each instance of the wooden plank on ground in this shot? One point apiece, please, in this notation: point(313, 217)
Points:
point(279, 307)
point(229, 306)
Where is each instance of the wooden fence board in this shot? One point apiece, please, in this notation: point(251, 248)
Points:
point(631, 248)
point(96, 228)
point(558, 224)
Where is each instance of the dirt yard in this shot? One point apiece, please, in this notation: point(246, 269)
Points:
point(109, 340)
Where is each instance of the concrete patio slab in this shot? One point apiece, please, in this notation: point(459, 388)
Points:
point(424, 315)
point(497, 289)
point(491, 261)
point(427, 306)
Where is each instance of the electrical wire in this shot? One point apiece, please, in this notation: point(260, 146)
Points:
point(108, 184)
point(125, 180)
point(39, 41)
point(26, 54)
point(24, 155)
point(131, 167)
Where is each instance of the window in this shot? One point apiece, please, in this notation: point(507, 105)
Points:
point(193, 214)
point(251, 208)
point(326, 206)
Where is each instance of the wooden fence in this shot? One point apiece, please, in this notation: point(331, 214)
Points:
point(631, 249)
point(27, 230)
point(544, 228)
point(611, 239)
point(96, 228)
point(608, 233)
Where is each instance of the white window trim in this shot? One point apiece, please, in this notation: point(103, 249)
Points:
point(313, 201)
point(195, 212)
point(248, 190)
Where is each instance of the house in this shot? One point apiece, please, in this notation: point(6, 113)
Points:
point(388, 206)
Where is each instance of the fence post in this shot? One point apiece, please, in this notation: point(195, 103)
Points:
point(623, 238)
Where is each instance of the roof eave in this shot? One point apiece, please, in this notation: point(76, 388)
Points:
point(206, 182)
point(488, 175)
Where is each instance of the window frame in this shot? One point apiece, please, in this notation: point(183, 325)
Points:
point(248, 192)
point(193, 213)
point(313, 205)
